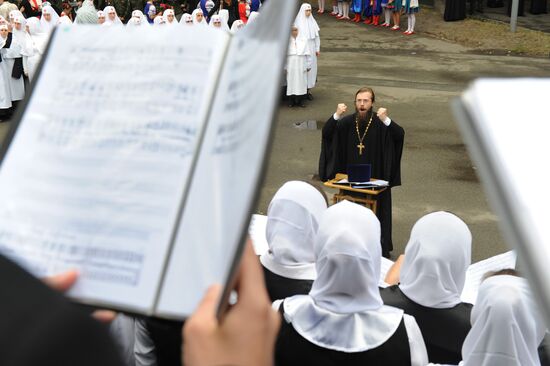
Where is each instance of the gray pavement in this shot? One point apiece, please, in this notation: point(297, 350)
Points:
point(415, 78)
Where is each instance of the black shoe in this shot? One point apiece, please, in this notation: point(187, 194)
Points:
point(309, 96)
point(290, 105)
point(301, 104)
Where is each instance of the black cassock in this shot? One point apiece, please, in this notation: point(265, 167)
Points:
point(383, 150)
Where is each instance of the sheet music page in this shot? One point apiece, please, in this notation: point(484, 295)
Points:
point(476, 271)
point(226, 179)
point(385, 266)
point(257, 233)
point(94, 177)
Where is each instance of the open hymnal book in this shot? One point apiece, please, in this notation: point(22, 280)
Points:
point(474, 274)
point(506, 124)
point(138, 156)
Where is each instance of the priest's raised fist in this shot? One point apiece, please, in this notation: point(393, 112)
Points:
point(382, 114)
point(341, 109)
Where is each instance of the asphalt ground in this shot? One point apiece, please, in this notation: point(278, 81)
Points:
point(415, 78)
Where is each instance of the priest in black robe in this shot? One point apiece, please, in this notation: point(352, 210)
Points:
point(365, 137)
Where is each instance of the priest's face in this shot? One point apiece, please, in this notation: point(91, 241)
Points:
point(199, 16)
point(363, 102)
point(47, 17)
point(4, 32)
point(101, 19)
point(170, 17)
point(308, 12)
point(294, 32)
point(112, 16)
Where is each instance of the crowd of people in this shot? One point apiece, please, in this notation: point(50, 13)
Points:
point(25, 31)
point(370, 11)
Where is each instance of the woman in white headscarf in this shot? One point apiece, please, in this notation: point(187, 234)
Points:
point(217, 22)
point(111, 17)
point(134, 22)
point(198, 17)
point(5, 73)
point(170, 17)
point(138, 14)
point(309, 30)
point(292, 222)
point(432, 278)
point(49, 19)
point(237, 26)
point(507, 326)
point(39, 41)
point(186, 19)
point(159, 20)
point(252, 17)
point(342, 321)
point(14, 59)
point(100, 17)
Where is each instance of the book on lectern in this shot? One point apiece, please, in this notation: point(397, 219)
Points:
point(506, 124)
point(138, 156)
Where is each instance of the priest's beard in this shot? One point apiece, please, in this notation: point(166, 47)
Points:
point(362, 114)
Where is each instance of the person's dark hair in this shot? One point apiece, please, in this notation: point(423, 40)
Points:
point(318, 187)
point(502, 272)
point(366, 90)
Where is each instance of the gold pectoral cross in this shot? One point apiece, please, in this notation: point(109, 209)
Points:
point(360, 147)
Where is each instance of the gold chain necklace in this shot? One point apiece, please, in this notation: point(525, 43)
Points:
point(361, 138)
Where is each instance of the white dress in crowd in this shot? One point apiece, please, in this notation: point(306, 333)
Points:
point(309, 30)
point(299, 59)
point(344, 311)
point(39, 42)
point(5, 76)
point(21, 46)
point(507, 326)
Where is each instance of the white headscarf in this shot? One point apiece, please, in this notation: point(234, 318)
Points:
point(307, 26)
point(165, 16)
point(3, 40)
point(3, 20)
point(101, 14)
point(292, 222)
point(216, 19)
point(48, 26)
point(13, 14)
point(134, 22)
point(142, 18)
point(507, 327)
point(436, 259)
point(344, 310)
point(194, 15)
point(87, 14)
point(159, 20)
point(237, 25)
point(186, 19)
point(22, 38)
point(39, 38)
point(64, 20)
point(252, 17)
point(108, 21)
